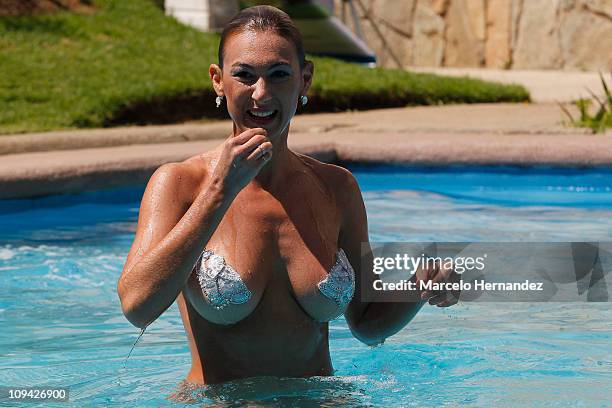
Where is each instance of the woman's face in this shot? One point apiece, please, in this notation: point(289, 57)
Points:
point(261, 80)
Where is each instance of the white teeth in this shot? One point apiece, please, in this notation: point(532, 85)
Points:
point(262, 114)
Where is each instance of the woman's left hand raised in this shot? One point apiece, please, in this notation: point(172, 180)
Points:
point(442, 278)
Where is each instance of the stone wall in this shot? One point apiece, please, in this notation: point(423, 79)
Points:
point(521, 34)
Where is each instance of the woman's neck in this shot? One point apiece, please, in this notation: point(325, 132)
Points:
point(275, 169)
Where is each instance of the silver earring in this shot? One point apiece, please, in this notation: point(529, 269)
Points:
point(219, 100)
point(304, 100)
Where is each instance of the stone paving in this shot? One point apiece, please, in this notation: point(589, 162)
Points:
point(487, 134)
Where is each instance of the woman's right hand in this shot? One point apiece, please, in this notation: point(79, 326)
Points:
point(241, 158)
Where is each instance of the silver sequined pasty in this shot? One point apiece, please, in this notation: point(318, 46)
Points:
point(220, 283)
point(339, 285)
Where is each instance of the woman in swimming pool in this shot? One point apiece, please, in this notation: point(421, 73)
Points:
point(255, 242)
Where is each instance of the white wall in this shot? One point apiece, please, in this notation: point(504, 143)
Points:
point(195, 13)
point(204, 15)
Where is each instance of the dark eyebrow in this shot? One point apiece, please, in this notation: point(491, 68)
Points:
point(276, 64)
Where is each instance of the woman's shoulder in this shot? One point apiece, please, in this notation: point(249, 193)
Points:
point(337, 178)
point(182, 179)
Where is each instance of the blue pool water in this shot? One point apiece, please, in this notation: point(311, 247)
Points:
point(60, 258)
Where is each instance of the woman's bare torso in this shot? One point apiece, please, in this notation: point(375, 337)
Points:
point(281, 242)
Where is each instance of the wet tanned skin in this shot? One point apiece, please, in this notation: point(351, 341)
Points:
point(277, 217)
point(280, 233)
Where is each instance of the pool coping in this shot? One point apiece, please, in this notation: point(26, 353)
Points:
point(385, 136)
point(44, 173)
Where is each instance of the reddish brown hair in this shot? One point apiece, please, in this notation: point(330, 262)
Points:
point(264, 18)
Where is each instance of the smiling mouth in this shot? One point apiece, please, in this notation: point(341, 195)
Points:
point(262, 115)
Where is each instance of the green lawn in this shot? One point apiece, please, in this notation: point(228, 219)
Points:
point(70, 70)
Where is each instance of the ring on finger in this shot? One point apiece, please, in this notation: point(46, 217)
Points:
point(262, 151)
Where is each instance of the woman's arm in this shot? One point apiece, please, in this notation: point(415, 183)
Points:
point(370, 322)
point(373, 321)
point(167, 244)
point(170, 237)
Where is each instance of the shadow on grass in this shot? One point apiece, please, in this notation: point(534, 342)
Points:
point(38, 24)
point(165, 110)
point(200, 104)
